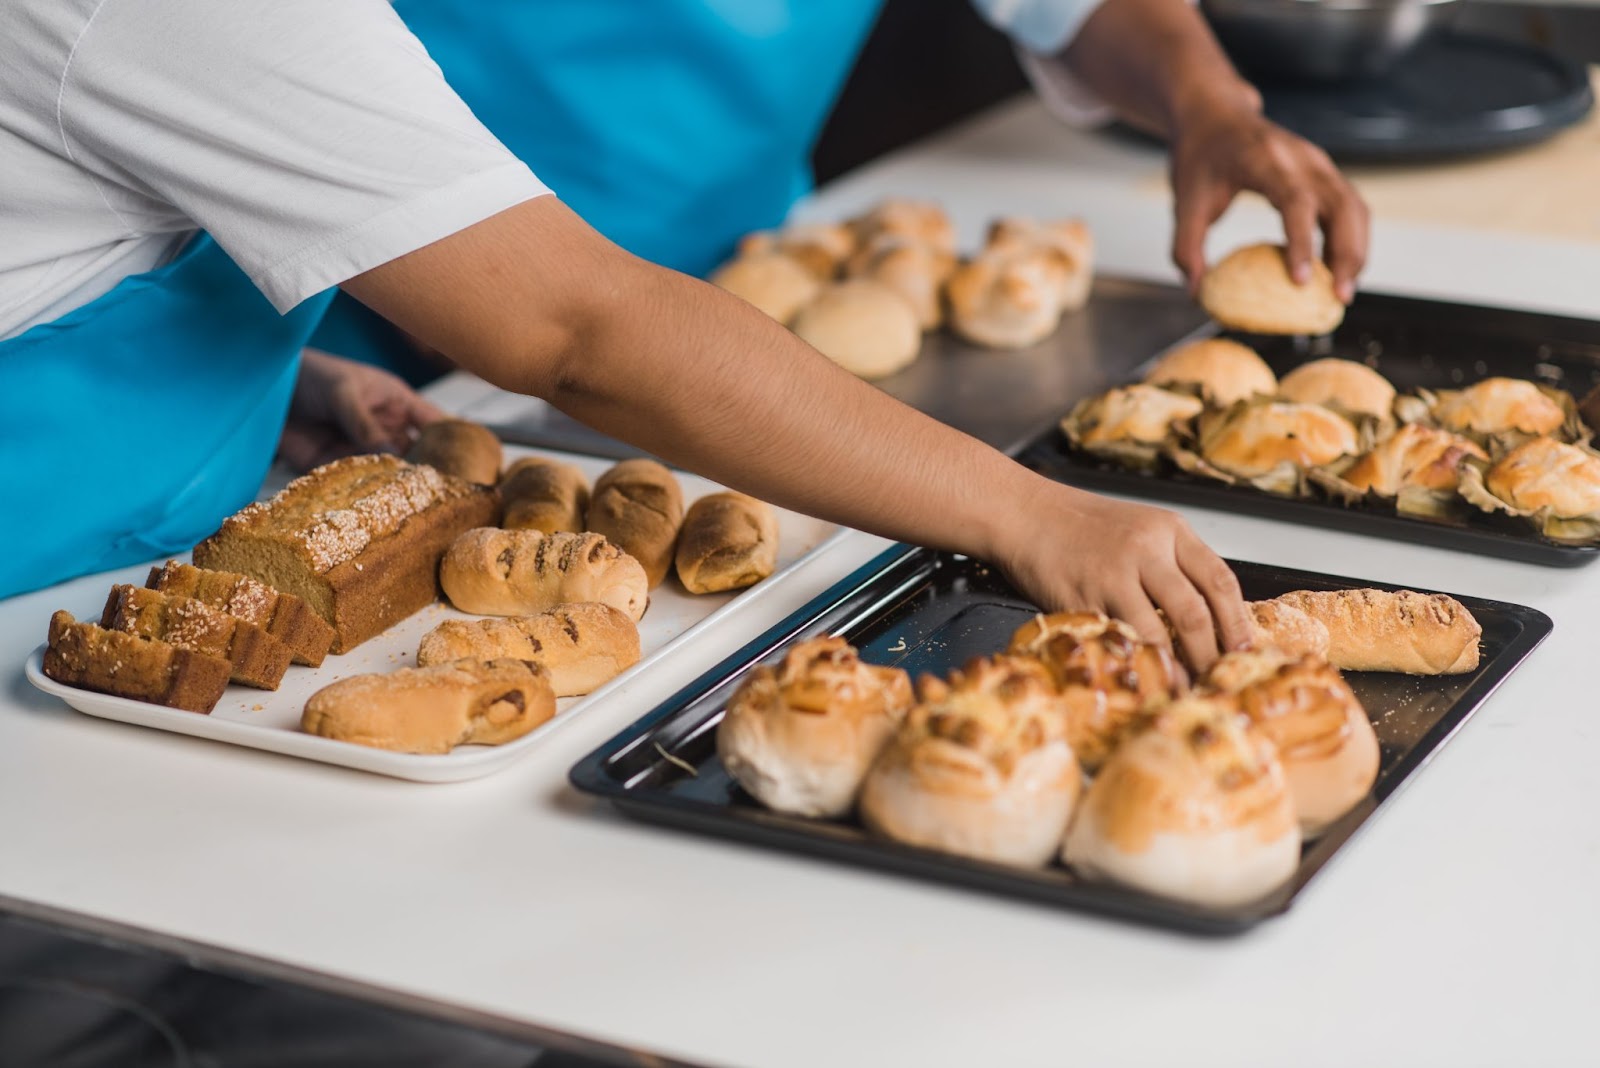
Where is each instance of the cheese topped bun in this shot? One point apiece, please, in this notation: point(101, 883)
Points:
point(1251, 290)
point(1354, 387)
point(1254, 439)
point(1543, 473)
point(1106, 675)
point(981, 768)
point(1500, 404)
point(1225, 371)
point(1194, 808)
point(921, 220)
point(1324, 738)
point(1414, 456)
point(1142, 414)
point(801, 737)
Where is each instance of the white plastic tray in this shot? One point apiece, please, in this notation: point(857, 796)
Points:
point(270, 719)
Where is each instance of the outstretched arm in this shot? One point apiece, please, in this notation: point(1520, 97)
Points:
point(535, 301)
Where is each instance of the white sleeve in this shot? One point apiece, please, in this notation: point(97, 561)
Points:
point(314, 139)
point(1041, 30)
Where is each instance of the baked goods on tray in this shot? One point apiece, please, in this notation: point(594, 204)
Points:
point(358, 539)
point(257, 658)
point(461, 448)
point(773, 281)
point(800, 737)
point(1286, 628)
point(1401, 630)
point(1553, 484)
point(729, 541)
point(1223, 371)
point(1269, 444)
point(1348, 387)
point(544, 495)
point(915, 270)
point(1132, 424)
point(581, 646)
point(1251, 290)
point(129, 665)
point(283, 615)
point(493, 572)
point(434, 709)
point(638, 507)
point(863, 325)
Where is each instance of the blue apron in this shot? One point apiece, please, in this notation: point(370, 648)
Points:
point(132, 426)
point(672, 126)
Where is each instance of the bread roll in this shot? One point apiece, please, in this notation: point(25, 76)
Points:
point(820, 247)
point(862, 325)
point(922, 221)
point(729, 541)
point(1106, 675)
point(1340, 384)
point(492, 572)
point(1404, 631)
point(544, 495)
point(1143, 414)
point(1324, 739)
point(981, 767)
point(1195, 808)
point(1281, 626)
point(774, 282)
point(434, 709)
point(581, 646)
point(1251, 290)
point(638, 507)
point(1071, 238)
point(917, 272)
point(1008, 299)
point(1496, 405)
point(1544, 473)
point(800, 738)
point(1253, 439)
point(1225, 371)
point(1417, 456)
point(456, 447)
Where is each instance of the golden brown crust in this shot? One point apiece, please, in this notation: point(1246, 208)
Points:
point(1069, 239)
point(257, 657)
point(729, 541)
point(776, 283)
point(862, 325)
point(284, 616)
point(1340, 384)
point(544, 495)
point(359, 540)
point(1255, 438)
point(126, 665)
point(493, 572)
point(1008, 298)
point(820, 247)
point(919, 220)
point(1225, 371)
point(1404, 631)
point(637, 506)
point(457, 447)
point(914, 270)
point(1250, 290)
point(581, 646)
point(1544, 473)
point(1500, 404)
point(434, 709)
point(1281, 626)
point(1413, 456)
point(1141, 413)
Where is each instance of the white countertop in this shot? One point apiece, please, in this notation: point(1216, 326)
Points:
point(1458, 929)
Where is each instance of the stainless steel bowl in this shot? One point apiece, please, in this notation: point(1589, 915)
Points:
point(1320, 40)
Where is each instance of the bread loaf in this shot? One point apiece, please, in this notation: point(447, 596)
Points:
point(126, 665)
point(1280, 625)
point(283, 615)
point(544, 495)
point(358, 539)
point(637, 506)
point(257, 657)
point(491, 572)
point(460, 448)
point(1405, 631)
point(581, 646)
point(729, 541)
point(434, 709)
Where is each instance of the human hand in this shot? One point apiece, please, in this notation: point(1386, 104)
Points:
point(342, 407)
point(1079, 551)
point(1221, 149)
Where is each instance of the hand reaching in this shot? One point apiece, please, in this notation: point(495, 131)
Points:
point(342, 408)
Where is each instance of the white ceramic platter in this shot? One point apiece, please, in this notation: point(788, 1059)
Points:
point(270, 720)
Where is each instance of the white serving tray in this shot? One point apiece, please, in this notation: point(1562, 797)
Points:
point(270, 719)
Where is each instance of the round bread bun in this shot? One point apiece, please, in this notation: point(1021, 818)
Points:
point(459, 447)
point(800, 738)
point(1225, 371)
point(863, 326)
point(1008, 299)
point(1196, 808)
point(774, 282)
point(1251, 290)
point(981, 768)
point(1336, 383)
point(920, 220)
point(1324, 739)
point(1070, 237)
point(1136, 413)
point(1500, 404)
point(1544, 473)
point(1254, 439)
point(912, 269)
point(819, 247)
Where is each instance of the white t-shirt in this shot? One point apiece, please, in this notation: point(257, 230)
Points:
point(314, 139)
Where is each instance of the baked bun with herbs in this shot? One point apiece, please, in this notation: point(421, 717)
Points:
point(1348, 387)
point(1498, 407)
point(1194, 808)
point(1268, 443)
point(981, 767)
point(1324, 739)
point(1251, 290)
point(1224, 371)
point(1417, 467)
point(800, 737)
point(1106, 675)
point(1129, 424)
point(1550, 482)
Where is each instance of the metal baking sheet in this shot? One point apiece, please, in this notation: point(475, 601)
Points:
point(930, 612)
point(1413, 343)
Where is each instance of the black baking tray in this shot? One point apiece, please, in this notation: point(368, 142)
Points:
point(930, 612)
point(1415, 344)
